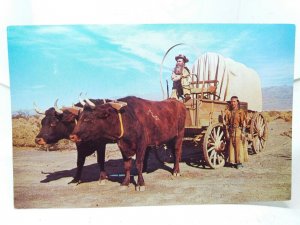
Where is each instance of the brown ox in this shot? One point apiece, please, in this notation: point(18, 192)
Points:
point(135, 124)
point(59, 124)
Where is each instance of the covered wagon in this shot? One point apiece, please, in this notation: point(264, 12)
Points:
point(214, 79)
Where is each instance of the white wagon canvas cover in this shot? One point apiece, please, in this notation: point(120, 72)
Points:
point(233, 78)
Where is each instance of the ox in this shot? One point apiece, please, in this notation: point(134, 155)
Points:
point(135, 124)
point(59, 124)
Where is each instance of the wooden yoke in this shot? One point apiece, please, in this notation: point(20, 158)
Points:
point(117, 105)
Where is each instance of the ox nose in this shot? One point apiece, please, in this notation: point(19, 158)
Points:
point(74, 138)
point(40, 141)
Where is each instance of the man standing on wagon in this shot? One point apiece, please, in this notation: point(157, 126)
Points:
point(181, 78)
point(235, 120)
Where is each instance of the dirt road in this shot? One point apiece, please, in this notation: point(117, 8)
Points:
point(41, 178)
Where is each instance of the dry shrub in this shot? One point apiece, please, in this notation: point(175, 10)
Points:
point(24, 130)
point(60, 145)
point(275, 115)
point(286, 116)
point(287, 133)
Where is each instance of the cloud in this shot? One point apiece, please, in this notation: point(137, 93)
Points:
point(149, 43)
point(230, 46)
point(141, 47)
point(137, 42)
point(51, 41)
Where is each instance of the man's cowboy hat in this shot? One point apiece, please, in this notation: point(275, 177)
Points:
point(180, 56)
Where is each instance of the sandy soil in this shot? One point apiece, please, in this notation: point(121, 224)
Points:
point(41, 178)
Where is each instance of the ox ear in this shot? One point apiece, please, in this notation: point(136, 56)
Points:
point(117, 105)
point(104, 113)
point(68, 117)
point(74, 110)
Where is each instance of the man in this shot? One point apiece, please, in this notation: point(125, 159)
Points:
point(235, 120)
point(181, 78)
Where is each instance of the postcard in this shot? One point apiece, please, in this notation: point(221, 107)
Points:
point(194, 114)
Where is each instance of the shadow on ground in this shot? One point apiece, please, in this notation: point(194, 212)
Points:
point(159, 158)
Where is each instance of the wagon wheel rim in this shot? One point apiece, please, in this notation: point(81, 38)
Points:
point(258, 131)
point(214, 146)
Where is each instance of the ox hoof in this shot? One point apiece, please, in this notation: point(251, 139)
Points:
point(140, 188)
point(176, 174)
point(101, 182)
point(75, 181)
point(123, 187)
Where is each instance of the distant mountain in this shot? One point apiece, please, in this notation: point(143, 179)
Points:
point(277, 98)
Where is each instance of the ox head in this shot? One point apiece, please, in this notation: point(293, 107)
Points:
point(98, 121)
point(57, 124)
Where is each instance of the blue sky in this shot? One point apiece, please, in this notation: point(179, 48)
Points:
point(112, 61)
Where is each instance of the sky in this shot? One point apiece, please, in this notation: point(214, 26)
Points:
point(112, 61)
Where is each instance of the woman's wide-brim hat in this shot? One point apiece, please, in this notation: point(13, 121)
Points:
point(180, 56)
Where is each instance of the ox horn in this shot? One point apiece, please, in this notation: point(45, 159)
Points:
point(59, 111)
point(38, 111)
point(81, 100)
point(76, 107)
point(90, 103)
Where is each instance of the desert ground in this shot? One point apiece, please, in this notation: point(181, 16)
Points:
point(41, 178)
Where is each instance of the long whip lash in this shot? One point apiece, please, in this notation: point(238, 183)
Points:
point(161, 65)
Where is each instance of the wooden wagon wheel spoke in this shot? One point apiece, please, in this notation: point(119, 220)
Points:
point(213, 137)
point(258, 131)
point(215, 158)
point(256, 144)
point(259, 122)
point(212, 155)
point(262, 142)
point(220, 135)
point(214, 145)
point(261, 132)
point(215, 133)
point(210, 149)
point(259, 126)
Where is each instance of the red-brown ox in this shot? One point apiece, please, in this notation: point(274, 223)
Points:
point(59, 124)
point(135, 124)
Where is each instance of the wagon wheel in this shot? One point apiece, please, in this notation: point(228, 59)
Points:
point(214, 146)
point(258, 132)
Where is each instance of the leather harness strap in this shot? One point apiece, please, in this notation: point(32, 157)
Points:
point(121, 125)
point(117, 105)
